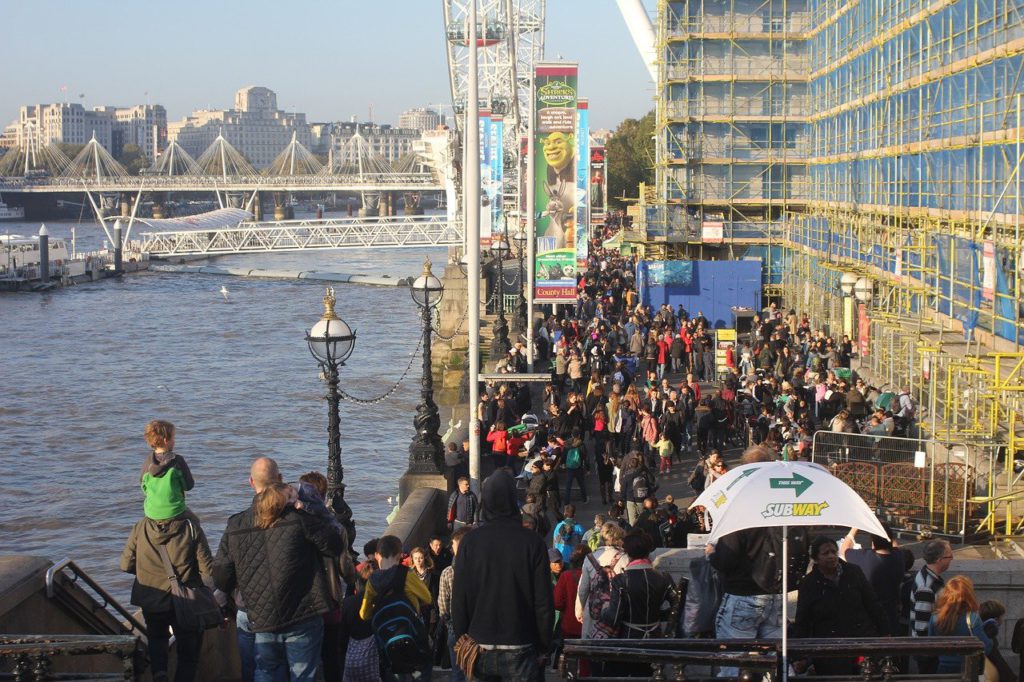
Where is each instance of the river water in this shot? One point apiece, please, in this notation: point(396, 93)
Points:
point(84, 368)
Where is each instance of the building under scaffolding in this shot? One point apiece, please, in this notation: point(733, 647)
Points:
point(732, 119)
point(880, 140)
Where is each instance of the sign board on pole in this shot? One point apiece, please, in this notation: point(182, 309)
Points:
point(555, 166)
point(598, 186)
point(582, 183)
point(724, 340)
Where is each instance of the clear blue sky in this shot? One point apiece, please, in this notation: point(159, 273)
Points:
point(328, 58)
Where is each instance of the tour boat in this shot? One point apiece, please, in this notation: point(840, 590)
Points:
point(11, 212)
point(17, 252)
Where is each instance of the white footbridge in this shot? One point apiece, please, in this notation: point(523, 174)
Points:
point(304, 235)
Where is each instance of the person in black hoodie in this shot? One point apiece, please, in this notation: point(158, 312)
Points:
point(502, 595)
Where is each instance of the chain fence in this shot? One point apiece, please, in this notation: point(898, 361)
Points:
point(387, 394)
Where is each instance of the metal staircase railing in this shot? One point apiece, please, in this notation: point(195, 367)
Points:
point(106, 601)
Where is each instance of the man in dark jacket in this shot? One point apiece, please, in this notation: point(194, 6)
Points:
point(280, 575)
point(502, 594)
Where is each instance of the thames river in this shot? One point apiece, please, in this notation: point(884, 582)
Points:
point(84, 368)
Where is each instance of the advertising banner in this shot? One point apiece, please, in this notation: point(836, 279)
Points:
point(497, 157)
point(582, 183)
point(486, 182)
point(598, 188)
point(555, 181)
point(863, 329)
point(988, 271)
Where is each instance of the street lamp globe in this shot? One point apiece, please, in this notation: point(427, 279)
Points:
point(331, 340)
point(427, 290)
point(499, 246)
point(863, 290)
point(847, 283)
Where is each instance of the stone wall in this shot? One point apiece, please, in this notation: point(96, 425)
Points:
point(420, 516)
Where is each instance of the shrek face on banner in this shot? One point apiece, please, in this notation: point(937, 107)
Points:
point(558, 154)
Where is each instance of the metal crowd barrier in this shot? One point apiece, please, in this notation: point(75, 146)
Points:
point(917, 484)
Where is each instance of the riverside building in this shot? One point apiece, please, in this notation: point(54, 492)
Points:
point(255, 127)
point(381, 139)
point(114, 127)
point(420, 119)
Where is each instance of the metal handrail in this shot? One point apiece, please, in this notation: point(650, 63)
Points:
point(766, 654)
point(108, 601)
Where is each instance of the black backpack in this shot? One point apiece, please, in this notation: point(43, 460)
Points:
point(764, 557)
point(400, 633)
point(698, 478)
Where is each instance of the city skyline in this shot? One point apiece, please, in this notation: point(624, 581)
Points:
point(407, 54)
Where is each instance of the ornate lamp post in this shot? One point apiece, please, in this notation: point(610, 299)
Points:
point(426, 453)
point(500, 344)
point(331, 342)
point(519, 321)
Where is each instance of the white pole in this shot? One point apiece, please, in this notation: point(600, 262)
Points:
point(531, 225)
point(471, 206)
point(785, 603)
point(642, 32)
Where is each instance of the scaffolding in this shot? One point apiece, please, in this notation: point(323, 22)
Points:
point(915, 129)
point(732, 121)
point(881, 139)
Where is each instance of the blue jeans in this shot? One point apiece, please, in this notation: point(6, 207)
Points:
point(519, 665)
point(294, 651)
point(457, 674)
point(247, 648)
point(748, 617)
point(246, 645)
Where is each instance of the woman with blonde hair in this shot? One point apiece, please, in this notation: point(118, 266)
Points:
point(271, 503)
point(592, 593)
point(956, 614)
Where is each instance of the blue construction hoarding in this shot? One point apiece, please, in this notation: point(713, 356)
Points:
point(710, 287)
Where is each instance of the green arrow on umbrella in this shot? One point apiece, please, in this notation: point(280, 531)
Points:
point(739, 478)
point(799, 484)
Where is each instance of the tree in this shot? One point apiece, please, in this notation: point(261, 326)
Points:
point(630, 158)
point(133, 159)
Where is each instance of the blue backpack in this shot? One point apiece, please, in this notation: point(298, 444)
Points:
point(400, 633)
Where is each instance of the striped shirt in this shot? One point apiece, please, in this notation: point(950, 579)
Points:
point(927, 586)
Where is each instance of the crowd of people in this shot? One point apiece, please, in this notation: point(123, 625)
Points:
point(635, 392)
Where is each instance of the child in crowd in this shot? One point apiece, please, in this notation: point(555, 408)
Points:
point(665, 449)
point(165, 474)
point(310, 495)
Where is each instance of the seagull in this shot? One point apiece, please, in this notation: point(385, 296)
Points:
point(224, 292)
point(390, 501)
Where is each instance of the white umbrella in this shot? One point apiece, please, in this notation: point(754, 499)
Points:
point(783, 494)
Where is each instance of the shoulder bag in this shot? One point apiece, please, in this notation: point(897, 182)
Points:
point(195, 608)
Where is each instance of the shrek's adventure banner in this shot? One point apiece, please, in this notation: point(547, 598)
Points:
point(555, 99)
